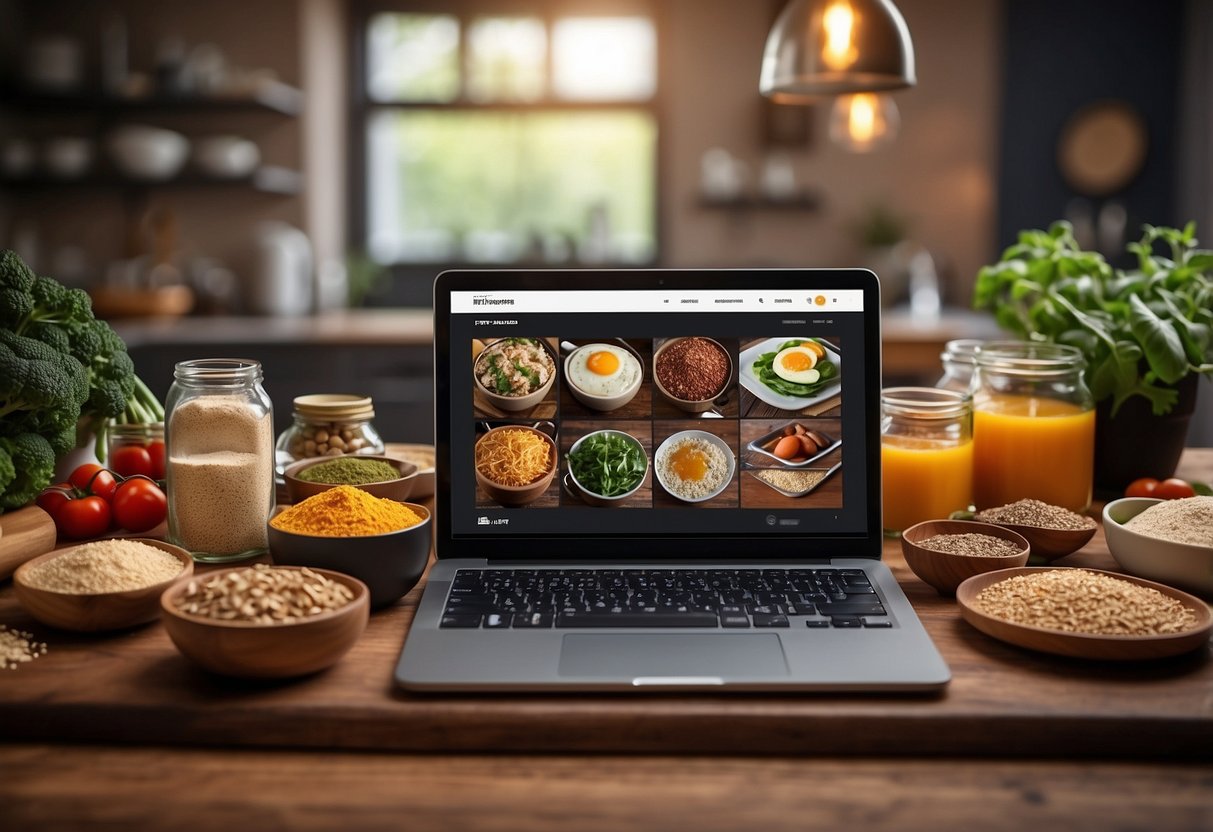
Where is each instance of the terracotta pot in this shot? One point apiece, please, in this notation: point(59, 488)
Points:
point(1136, 443)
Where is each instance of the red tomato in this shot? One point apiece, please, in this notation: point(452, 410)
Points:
point(155, 451)
point(54, 496)
point(1143, 487)
point(86, 517)
point(139, 505)
point(93, 479)
point(1174, 489)
point(129, 460)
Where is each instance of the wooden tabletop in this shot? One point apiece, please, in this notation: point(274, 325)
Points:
point(1017, 738)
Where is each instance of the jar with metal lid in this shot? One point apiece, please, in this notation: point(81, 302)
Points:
point(219, 435)
point(1033, 425)
point(926, 454)
point(959, 358)
point(329, 424)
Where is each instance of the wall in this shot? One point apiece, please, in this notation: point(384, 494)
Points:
point(939, 174)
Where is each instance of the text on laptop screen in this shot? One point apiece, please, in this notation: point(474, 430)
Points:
point(663, 412)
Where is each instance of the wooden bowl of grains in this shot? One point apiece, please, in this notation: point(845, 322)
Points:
point(266, 622)
point(944, 553)
point(106, 584)
point(1052, 531)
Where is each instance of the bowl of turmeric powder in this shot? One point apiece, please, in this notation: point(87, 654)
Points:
point(384, 543)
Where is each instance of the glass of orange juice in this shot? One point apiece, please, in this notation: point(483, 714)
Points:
point(926, 453)
point(1033, 425)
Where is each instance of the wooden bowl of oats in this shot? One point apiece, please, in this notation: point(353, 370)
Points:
point(943, 553)
point(266, 622)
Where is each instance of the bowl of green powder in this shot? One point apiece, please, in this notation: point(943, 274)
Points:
point(382, 476)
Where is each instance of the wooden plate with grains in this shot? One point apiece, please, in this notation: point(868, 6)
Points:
point(1086, 613)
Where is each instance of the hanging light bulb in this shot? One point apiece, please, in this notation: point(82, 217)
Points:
point(863, 122)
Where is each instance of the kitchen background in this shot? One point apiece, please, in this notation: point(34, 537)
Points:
point(339, 154)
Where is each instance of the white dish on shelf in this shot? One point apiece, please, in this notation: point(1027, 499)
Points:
point(226, 157)
point(150, 153)
point(751, 382)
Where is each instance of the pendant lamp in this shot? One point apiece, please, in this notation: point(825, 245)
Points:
point(836, 47)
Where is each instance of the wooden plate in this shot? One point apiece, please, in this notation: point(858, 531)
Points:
point(1085, 645)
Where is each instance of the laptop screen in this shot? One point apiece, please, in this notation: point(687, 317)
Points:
point(658, 414)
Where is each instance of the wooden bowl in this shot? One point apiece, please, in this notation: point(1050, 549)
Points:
point(1050, 544)
point(165, 302)
point(267, 651)
point(423, 456)
point(98, 611)
point(1085, 645)
point(399, 489)
point(946, 571)
point(509, 495)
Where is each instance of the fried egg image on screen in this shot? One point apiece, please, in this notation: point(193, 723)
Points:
point(603, 370)
point(796, 364)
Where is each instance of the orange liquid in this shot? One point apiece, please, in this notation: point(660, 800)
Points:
point(1029, 447)
point(924, 479)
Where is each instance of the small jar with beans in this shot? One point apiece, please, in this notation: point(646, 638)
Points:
point(329, 425)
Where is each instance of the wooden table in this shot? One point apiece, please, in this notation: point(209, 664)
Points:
point(1017, 740)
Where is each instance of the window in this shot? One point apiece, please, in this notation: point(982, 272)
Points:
point(494, 135)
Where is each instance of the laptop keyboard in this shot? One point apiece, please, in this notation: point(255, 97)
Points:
point(649, 598)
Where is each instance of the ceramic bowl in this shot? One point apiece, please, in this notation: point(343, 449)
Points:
point(508, 495)
point(389, 564)
point(67, 157)
point(687, 405)
point(1178, 564)
point(592, 497)
point(666, 447)
point(399, 489)
point(946, 571)
point(513, 404)
point(98, 611)
point(226, 157)
point(593, 401)
point(266, 651)
point(150, 153)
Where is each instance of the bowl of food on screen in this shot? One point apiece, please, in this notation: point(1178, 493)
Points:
point(694, 466)
point(514, 374)
point(107, 584)
point(1169, 541)
point(515, 464)
point(381, 476)
point(692, 373)
point(606, 467)
point(795, 444)
point(382, 542)
point(603, 376)
point(944, 553)
point(1051, 531)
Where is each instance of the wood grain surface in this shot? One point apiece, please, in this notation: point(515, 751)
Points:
point(24, 534)
point(757, 494)
point(1004, 701)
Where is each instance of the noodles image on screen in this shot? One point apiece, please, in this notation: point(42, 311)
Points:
point(513, 457)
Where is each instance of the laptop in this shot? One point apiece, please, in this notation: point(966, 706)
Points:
point(617, 509)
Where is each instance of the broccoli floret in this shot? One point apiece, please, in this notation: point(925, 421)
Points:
point(107, 398)
point(15, 282)
point(8, 472)
point(52, 335)
point(33, 463)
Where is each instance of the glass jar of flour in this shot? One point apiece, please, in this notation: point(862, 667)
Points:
point(219, 437)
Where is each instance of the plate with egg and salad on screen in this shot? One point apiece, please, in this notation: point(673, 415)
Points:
point(791, 373)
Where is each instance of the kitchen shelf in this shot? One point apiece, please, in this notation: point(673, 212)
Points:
point(268, 179)
point(805, 201)
point(271, 97)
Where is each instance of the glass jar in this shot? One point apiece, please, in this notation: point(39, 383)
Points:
point(1033, 425)
point(959, 358)
point(146, 435)
point(329, 424)
point(219, 430)
point(926, 453)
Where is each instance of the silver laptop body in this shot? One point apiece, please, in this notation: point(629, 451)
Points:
point(828, 540)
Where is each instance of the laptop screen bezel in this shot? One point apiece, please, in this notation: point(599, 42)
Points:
point(806, 547)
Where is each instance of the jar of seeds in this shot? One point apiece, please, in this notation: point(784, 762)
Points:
point(329, 424)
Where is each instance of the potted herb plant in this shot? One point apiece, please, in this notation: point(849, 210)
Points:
point(1147, 334)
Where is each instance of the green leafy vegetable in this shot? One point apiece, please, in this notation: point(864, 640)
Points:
point(765, 371)
point(609, 464)
point(1141, 331)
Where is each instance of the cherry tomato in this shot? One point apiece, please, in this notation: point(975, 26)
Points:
point(139, 505)
point(1174, 489)
point(1143, 487)
point(93, 479)
point(129, 460)
point(155, 451)
point(85, 517)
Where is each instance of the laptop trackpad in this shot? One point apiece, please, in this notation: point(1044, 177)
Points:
point(669, 656)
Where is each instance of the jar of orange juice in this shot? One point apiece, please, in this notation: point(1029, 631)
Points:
point(959, 358)
point(1033, 425)
point(926, 452)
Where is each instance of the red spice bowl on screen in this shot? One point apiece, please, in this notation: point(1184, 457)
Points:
point(691, 373)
